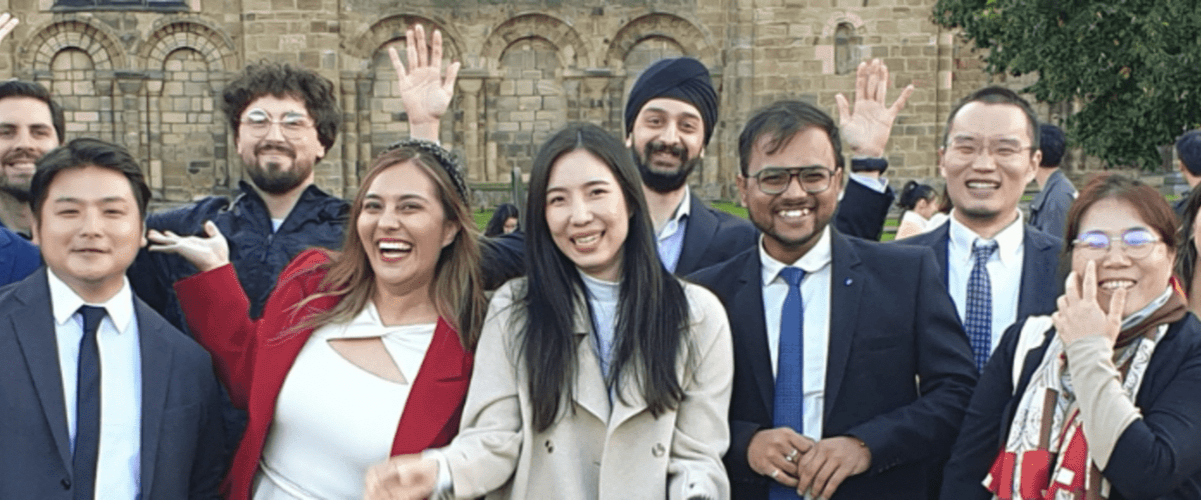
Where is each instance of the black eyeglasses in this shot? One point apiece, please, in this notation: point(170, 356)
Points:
point(1137, 243)
point(775, 180)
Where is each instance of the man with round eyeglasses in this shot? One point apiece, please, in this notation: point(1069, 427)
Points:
point(284, 120)
point(997, 268)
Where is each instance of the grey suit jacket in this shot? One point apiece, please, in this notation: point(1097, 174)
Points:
point(181, 453)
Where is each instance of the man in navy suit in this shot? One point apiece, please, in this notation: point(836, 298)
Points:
point(831, 333)
point(669, 118)
point(990, 153)
point(102, 397)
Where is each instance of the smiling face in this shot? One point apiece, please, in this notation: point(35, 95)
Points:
point(279, 157)
point(986, 187)
point(26, 133)
point(403, 228)
point(792, 220)
point(89, 230)
point(668, 140)
point(586, 213)
point(1144, 278)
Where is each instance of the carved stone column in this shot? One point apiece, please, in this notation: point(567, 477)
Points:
point(469, 88)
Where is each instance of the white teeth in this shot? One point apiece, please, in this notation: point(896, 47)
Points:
point(585, 240)
point(793, 213)
point(1116, 284)
point(981, 185)
point(394, 246)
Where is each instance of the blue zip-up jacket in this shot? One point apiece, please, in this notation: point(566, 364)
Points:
point(257, 253)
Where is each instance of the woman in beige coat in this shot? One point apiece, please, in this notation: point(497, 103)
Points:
point(600, 376)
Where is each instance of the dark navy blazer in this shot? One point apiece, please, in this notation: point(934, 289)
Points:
point(891, 322)
point(1040, 266)
point(181, 453)
point(1157, 456)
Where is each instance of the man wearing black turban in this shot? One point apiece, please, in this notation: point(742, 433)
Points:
point(669, 119)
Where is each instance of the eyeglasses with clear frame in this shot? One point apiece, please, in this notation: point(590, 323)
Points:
point(1136, 243)
point(775, 180)
point(293, 125)
point(965, 150)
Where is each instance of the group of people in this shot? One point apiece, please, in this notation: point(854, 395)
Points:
point(626, 340)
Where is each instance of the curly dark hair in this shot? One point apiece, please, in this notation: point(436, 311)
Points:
point(283, 79)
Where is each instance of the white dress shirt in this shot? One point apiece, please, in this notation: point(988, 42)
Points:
point(1004, 272)
point(334, 420)
point(815, 300)
point(118, 465)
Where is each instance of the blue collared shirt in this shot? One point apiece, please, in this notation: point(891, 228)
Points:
point(118, 468)
point(671, 237)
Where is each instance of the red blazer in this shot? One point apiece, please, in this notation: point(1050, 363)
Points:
point(253, 357)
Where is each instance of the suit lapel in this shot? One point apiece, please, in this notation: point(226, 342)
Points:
point(1038, 289)
point(156, 369)
point(750, 328)
point(590, 390)
point(942, 238)
point(698, 234)
point(441, 381)
point(846, 284)
point(35, 331)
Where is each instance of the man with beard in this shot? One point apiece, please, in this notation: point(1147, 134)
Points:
point(669, 118)
point(830, 332)
point(31, 124)
point(284, 120)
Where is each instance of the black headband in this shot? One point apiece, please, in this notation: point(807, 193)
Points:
point(447, 160)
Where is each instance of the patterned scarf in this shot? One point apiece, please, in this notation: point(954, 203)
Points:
point(1046, 454)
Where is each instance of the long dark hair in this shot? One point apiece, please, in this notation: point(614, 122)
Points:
point(650, 330)
point(1186, 254)
point(496, 225)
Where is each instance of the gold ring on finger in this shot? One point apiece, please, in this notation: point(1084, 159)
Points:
point(774, 473)
point(791, 456)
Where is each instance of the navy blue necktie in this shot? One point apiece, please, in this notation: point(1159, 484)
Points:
point(87, 409)
point(788, 405)
point(978, 322)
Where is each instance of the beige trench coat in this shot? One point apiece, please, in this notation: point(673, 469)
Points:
point(597, 452)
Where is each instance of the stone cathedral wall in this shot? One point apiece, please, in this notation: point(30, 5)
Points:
point(147, 74)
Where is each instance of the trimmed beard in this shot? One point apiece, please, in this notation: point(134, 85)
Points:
point(271, 178)
point(660, 182)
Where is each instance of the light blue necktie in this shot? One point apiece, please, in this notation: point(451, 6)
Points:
point(978, 322)
point(790, 394)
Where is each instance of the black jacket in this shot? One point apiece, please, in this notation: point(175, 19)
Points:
point(257, 253)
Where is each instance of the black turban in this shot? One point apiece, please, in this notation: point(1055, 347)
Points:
point(681, 78)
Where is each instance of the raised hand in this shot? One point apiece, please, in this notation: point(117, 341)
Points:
point(866, 129)
point(8, 23)
point(1079, 314)
point(424, 90)
point(206, 253)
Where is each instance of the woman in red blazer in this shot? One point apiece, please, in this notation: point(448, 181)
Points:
point(399, 310)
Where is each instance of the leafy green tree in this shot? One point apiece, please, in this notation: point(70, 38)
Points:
point(1134, 64)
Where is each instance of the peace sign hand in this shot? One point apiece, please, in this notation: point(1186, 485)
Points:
point(1079, 314)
